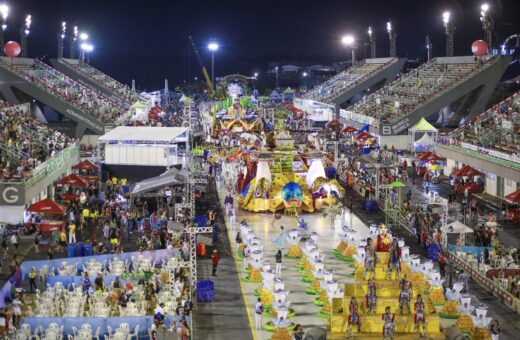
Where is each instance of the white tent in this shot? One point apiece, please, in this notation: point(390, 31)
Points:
point(425, 140)
point(458, 227)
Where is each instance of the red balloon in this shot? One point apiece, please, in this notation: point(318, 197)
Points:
point(479, 48)
point(12, 49)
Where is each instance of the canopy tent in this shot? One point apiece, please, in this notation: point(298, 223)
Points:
point(513, 197)
point(170, 177)
point(48, 206)
point(428, 135)
point(74, 181)
point(465, 171)
point(458, 228)
point(364, 135)
point(86, 165)
point(397, 184)
point(349, 129)
point(146, 134)
point(333, 124)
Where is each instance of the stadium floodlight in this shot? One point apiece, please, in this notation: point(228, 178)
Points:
point(446, 17)
point(87, 47)
point(484, 8)
point(213, 46)
point(348, 40)
point(4, 12)
point(305, 74)
point(370, 31)
point(76, 33)
point(389, 26)
point(256, 74)
point(83, 36)
point(63, 29)
point(28, 21)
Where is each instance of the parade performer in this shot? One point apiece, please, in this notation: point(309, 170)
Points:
point(302, 224)
point(419, 318)
point(353, 318)
point(370, 259)
point(383, 239)
point(394, 260)
point(281, 238)
point(404, 297)
point(371, 296)
point(389, 324)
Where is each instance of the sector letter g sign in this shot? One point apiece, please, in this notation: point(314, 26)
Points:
point(11, 194)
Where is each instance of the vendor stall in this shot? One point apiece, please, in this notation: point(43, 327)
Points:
point(427, 134)
point(87, 170)
point(52, 215)
point(469, 183)
point(67, 185)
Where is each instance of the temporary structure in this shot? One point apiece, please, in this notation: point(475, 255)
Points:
point(428, 135)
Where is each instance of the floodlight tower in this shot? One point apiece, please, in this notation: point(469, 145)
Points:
point(392, 35)
point(4, 12)
point(449, 30)
point(83, 37)
point(213, 47)
point(61, 37)
point(72, 42)
point(349, 40)
point(487, 24)
point(25, 30)
point(372, 38)
point(429, 47)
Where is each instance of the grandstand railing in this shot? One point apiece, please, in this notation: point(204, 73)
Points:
point(92, 72)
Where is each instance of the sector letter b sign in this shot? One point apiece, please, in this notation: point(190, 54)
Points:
point(12, 194)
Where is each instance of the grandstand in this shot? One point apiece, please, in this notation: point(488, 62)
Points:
point(97, 80)
point(490, 139)
point(355, 80)
point(425, 90)
point(32, 156)
point(87, 110)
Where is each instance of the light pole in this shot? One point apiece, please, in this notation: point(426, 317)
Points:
point(255, 75)
point(4, 12)
point(86, 48)
point(213, 47)
point(429, 47)
point(487, 23)
point(24, 33)
point(348, 40)
point(84, 45)
point(392, 35)
point(61, 37)
point(276, 71)
point(72, 42)
point(372, 38)
point(449, 30)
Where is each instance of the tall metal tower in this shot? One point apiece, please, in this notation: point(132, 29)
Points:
point(4, 12)
point(166, 97)
point(449, 30)
point(73, 38)
point(61, 37)
point(25, 30)
point(429, 47)
point(392, 35)
point(487, 24)
point(372, 38)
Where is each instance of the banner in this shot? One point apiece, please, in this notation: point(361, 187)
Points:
point(12, 193)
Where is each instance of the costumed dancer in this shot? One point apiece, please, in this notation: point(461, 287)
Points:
point(280, 239)
point(371, 296)
point(277, 216)
point(370, 259)
point(353, 318)
point(394, 260)
point(419, 318)
point(404, 297)
point(383, 239)
point(389, 324)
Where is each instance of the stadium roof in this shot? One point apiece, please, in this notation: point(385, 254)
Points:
point(147, 134)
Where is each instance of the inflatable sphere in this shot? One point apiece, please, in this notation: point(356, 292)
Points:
point(479, 48)
point(12, 49)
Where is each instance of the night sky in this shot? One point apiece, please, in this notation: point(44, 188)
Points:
point(148, 40)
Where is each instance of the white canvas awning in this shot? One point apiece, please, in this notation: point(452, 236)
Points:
point(424, 140)
point(145, 134)
point(458, 228)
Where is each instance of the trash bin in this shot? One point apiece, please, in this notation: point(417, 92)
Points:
point(78, 249)
point(205, 291)
point(70, 250)
point(87, 249)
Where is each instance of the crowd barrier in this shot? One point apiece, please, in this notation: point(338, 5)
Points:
point(474, 250)
point(144, 323)
point(155, 256)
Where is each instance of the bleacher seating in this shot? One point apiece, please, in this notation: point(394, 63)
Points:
point(489, 131)
point(345, 80)
point(407, 93)
point(119, 89)
point(69, 90)
point(25, 143)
